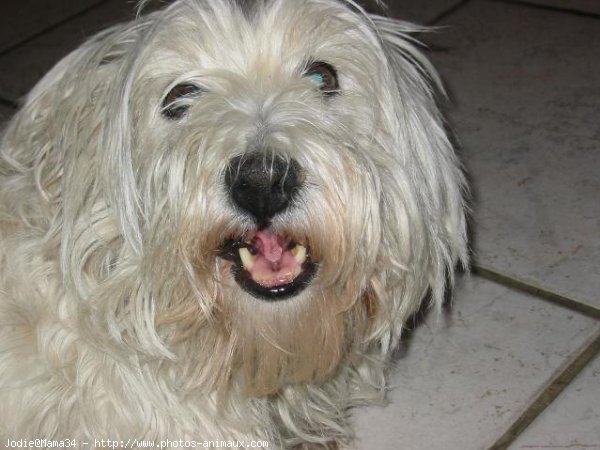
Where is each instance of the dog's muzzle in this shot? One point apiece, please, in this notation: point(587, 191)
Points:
point(268, 265)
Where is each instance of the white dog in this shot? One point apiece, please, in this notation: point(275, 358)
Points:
point(214, 221)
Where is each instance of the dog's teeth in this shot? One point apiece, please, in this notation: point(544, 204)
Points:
point(247, 258)
point(299, 252)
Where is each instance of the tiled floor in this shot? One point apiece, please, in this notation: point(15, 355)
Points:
point(500, 369)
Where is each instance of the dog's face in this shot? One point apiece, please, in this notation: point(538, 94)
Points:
point(270, 117)
point(269, 187)
point(259, 138)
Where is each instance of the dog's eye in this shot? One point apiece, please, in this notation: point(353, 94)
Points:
point(324, 76)
point(178, 100)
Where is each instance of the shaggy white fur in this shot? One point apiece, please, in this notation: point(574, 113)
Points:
point(152, 287)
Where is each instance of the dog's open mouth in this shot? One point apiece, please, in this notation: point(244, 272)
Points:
point(270, 266)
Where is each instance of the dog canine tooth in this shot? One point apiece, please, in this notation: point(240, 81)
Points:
point(299, 252)
point(247, 258)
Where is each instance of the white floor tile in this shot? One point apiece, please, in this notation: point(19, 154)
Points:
point(466, 378)
point(526, 94)
point(21, 19)
point(572, 420)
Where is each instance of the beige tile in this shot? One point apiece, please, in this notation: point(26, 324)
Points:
point(526, 100)
point(21, 19)
point(465, 378)
point(572, 420)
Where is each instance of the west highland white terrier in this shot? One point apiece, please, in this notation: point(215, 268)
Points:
point(214, 221)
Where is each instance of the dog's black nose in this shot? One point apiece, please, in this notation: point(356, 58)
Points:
point(263, 184)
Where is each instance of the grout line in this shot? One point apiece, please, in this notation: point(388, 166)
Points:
point(447, 12)
point(564, 377)
point(51, 27)
point(535, 290)
point(551, 8)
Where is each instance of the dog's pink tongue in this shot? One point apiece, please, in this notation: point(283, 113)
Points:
point(274, 264)
point(270, 245)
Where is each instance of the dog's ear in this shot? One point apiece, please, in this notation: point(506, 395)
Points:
point(60, 118)
point(56, 145)
point(425, 192)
